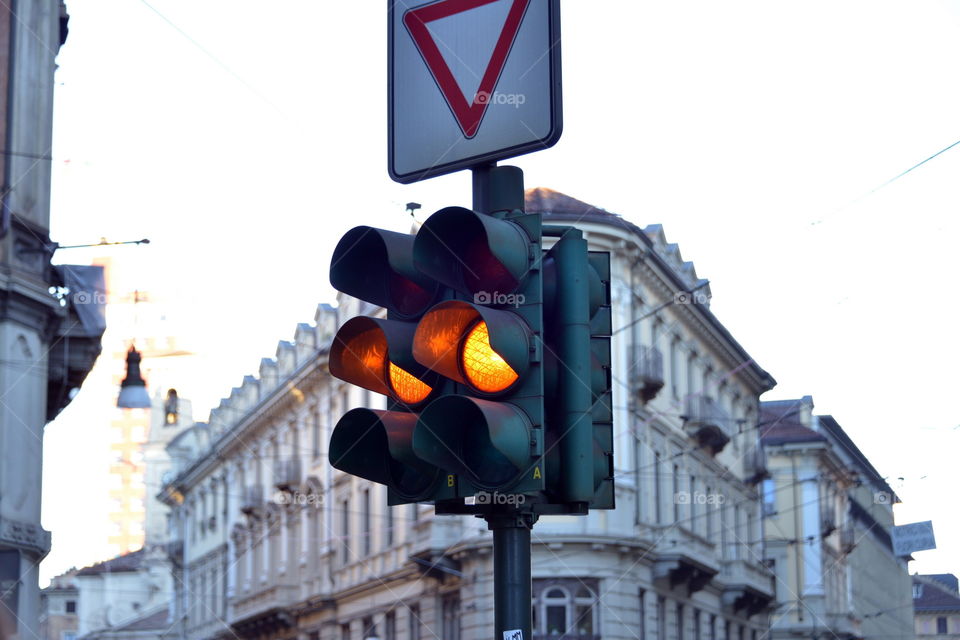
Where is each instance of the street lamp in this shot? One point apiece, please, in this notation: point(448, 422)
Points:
point(133, 390)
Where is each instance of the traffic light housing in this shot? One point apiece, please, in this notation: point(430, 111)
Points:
point(494, 357)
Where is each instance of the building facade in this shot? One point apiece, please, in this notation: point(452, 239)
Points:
point(936, 606)
point(828, 517)
point(58, 608)
point(48, 341)
point(272, 542)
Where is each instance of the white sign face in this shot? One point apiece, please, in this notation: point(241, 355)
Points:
point(913, 537)
point(471, 82)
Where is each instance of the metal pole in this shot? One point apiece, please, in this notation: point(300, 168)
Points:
point(512, 590)
point(497, 190)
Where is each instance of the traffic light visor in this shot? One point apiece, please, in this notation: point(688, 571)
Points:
point(377, 446)
point(487, 442)
point(377, 266)
point(471, 252)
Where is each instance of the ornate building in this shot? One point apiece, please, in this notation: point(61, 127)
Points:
point(48, 340)
point(828, 517)
point(271, 542)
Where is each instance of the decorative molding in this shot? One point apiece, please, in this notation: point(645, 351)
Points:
point(25, 535)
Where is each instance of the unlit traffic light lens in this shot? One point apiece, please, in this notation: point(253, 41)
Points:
point(407, 388)
point(483, 367)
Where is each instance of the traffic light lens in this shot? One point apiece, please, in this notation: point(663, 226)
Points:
point(408, 297)
point(482, 271)
point(408, 388)
point(483, 367)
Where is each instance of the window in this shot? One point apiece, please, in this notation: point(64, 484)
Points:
point(365, 515)
point(674, 369)
point(696, 625)
point(69, 635)
point(413, 622)
point(390, 625)
point(661, 618)
point(941, 624)
point(369, 629)
point(389, 527)
point(345, 631)
point(345, 532)
point(724, 535)
point(657, 488)
point(736, 532)
point(450, 612)
point(565, 606)
point(694, 507)
point(315, 434)
point(676, 493)
point(71, 606)
point(769, 497)
point(708, 513)
point(643, 616)
point(679, 621)
point(917, 591)
point(713, 627)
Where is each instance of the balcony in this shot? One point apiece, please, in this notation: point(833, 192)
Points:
point(646, 371)
point(286, 474)
point(684, 559)
point(706, 421)
point(848, 538)
point(252, 501)
point(755, 465)
point(747, 589)
point(267, 611)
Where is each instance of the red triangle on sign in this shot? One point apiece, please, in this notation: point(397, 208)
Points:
point(468, 115)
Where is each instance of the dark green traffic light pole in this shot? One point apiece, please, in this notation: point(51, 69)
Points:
point(497, 190)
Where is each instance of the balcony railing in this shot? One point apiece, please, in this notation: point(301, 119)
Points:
point(706, 420)
point(286, 474)
point(848, 538)
point(755, 465)
point(646, 371)
point(252, 499)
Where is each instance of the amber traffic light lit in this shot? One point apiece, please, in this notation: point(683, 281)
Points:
point(483, 367)
point(408, 388)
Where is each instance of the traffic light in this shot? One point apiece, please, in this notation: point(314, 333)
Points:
point(376, 266)
point(494, 357)
point(489, 432)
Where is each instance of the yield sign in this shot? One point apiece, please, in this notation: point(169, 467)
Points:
point(471, 82)
point(470, 114)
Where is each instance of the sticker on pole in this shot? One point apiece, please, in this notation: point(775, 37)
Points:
point(515, 634)
point(471, 82)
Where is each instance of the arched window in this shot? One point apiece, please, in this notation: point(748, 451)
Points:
point(565, 609)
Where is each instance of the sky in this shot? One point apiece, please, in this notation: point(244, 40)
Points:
point(244, 138)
